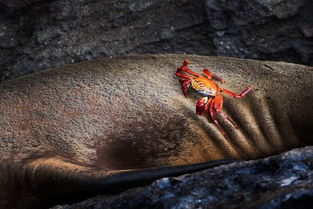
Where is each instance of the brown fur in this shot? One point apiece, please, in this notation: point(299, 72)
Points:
point(93, 119)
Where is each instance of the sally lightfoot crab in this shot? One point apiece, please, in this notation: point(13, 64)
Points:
point(212, 101)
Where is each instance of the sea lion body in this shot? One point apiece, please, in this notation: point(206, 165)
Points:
point(98, 120)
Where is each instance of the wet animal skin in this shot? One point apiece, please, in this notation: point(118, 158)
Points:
point(111, 124)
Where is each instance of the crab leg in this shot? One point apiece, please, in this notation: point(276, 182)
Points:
point(218, 107)
point(184, 85)
point(206, 109)
point(179, 74)
point(212, 113)
point(210, 75)
point(185, 79)
point(241, 95)
point(185, 68)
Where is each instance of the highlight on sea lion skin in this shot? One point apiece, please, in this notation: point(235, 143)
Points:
point(212, 102)
point(110, 124)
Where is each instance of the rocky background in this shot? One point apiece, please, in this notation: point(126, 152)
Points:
point(40, 34)
point(279, 182)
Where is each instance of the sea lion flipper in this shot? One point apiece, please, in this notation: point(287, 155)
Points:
point(73, 181)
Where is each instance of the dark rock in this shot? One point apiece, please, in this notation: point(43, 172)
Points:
point(282, 181)
point(263, 29)
point(37, 34)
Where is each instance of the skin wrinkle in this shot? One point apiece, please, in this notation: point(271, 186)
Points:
point(82, 126)
point(242, 115)
point(210, 132)
point(287, 134)
point(267, 124)
point(241, 143)
point(213, 144)
point(253, 131)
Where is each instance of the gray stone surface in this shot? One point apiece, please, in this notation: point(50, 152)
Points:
point(263, 29)
point(37, 34)
point(277, 182)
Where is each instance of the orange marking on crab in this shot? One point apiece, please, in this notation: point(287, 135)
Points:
point(212, 102)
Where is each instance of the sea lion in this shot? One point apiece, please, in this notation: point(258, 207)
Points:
point(109, 124)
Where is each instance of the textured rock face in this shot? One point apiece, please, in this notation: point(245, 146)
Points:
point(282, 181)
point(42, 34)
point(263, 29)
point(37, 34)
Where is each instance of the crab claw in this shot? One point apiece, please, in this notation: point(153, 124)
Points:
point(185, 63)
point(201, 105)
point(184, 85)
